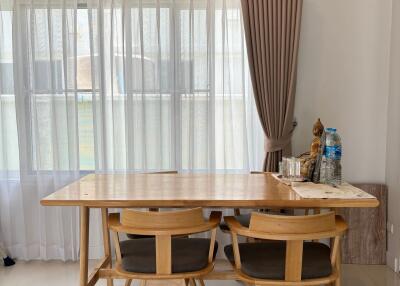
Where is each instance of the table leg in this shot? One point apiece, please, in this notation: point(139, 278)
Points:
point(106, 240)
point(84, 246)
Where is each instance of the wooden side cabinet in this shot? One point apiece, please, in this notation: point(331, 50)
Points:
point(365, 241)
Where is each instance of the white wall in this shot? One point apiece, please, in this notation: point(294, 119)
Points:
point(393, 139)
point(343, 78)
point(349, 75)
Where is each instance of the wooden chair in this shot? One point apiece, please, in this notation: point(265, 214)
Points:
point(164, 256)
point(287, 258)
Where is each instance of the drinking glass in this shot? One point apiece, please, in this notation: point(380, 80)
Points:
point(285, 167)
point(297, 169)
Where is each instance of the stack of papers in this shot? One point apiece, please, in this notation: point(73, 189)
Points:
point(308, 190)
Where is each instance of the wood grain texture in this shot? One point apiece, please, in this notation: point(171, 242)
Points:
point(162, 220)
point(294, 260)
point(188, 190)
point(236, 227)
point(163, 254)
point(365, 241)
point(213, 222)
point(292, 224)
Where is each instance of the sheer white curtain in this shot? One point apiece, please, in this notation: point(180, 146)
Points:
point(110, 86)
point(170, 86)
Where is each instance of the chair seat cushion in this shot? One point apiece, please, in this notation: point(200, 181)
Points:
point(188, 254)
point(243, 219)
point(266, 260)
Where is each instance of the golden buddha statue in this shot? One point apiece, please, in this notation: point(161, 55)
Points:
point(310, 161)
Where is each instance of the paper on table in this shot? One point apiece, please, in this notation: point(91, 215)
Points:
point(308, 190)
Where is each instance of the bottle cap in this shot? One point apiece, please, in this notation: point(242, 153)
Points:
point(331, 129)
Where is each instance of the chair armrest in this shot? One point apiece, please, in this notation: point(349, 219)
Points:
point(213, 223)
point(341, 225)
point(113, 221)
point(236, 227)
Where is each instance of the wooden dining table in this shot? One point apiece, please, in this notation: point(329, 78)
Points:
point(104, 191)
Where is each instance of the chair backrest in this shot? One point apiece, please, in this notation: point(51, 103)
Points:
point(294, 229)
point(163, 225)
point(162, 220)
point(279, 224)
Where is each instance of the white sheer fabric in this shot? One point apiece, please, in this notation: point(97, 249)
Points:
point(109, 86)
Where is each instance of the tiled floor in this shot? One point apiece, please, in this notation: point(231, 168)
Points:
point(55, 273)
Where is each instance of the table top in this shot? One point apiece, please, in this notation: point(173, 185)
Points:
point(188, 190)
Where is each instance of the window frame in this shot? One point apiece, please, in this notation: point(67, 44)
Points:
point(176, 93)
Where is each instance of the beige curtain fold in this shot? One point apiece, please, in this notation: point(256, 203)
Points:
point(272, 29)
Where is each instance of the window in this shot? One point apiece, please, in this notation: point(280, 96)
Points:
point(9, 157)
point(146, 86)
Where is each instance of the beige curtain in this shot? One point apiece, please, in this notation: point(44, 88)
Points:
point(272, 29)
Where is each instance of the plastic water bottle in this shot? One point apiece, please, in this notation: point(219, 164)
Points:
point(331, 169)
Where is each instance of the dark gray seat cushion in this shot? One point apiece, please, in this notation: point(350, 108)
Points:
point(266, 260)
point(188, 254)
point(243, 219)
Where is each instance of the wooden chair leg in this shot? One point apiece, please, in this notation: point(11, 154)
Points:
point(201, 281)
point(192, 282)
point(186, 281)
point(338, 281)
point(84, 245)
point(128, 282)
point(143, 282)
